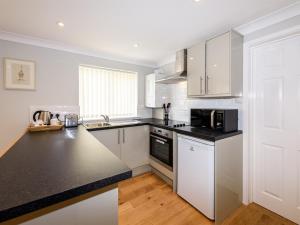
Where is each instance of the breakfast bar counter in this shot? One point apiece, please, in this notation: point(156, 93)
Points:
point(47, 168)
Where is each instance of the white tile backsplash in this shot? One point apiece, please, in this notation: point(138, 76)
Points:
point(142, 111)
point(61, 110)
point(181, 104)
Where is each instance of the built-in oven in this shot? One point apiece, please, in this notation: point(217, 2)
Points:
point(161, 145)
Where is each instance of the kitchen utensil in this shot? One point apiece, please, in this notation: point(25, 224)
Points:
point(168, 107)
point(55, 121)
point(166, 111)
point(44, 116)
point(71, 120)
point(164, 107)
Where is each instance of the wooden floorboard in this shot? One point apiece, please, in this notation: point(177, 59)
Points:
point(148, 200)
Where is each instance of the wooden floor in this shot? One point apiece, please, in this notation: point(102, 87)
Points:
point(148, 200)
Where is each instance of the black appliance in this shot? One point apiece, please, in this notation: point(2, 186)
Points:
point(161, 146)
point(225, 120)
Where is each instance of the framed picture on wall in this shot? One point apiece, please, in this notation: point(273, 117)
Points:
point(19, 74)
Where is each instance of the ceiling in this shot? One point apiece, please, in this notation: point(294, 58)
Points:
point(112, 27)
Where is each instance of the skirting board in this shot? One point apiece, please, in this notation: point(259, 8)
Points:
point(141, 170)
point(162, 176)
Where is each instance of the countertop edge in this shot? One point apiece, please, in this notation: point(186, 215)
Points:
point(198, 135)
point(60, 197)
point(192, 134)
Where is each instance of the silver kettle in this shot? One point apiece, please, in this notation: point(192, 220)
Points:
point(44, 116)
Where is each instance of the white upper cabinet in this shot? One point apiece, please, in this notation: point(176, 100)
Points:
point(155, 94)
point(224, 65)
point(196, 70)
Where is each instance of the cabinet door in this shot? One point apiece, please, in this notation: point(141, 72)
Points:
point(196, 70)
point(196, 175)
point(218, 65)
point(110, 138)
point(135, 146)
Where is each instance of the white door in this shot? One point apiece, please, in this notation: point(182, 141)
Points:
point(196, 174)
point(110, 138)
point(276, 74)
point(135, 146)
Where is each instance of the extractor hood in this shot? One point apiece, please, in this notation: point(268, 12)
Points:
point(180, 69)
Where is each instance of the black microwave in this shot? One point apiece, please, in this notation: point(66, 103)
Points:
point(225, 120)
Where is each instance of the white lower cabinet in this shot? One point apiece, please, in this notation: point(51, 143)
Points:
point(196, 173)
point(111, 139)
point(130, 144)
point(135, 146)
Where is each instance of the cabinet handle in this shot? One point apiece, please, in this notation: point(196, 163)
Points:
point(201, 79)
point(207, 79)
point(118, 136)
point(123, 135)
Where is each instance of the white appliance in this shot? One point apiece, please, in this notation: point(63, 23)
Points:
point(196, 173)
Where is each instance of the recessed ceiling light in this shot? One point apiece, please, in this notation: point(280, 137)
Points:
point(60, 24)
point(136, 45)
point(197, 0)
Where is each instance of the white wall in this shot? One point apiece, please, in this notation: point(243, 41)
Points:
point(181, 104)
point(56, 84)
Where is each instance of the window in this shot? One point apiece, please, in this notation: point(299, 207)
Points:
point(107, 91)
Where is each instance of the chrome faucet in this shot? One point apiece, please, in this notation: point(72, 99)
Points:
point(106, 118)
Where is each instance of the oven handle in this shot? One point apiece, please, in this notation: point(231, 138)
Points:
point(159, 141)
point(162, 139)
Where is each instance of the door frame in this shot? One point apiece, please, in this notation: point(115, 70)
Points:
point(249, 100)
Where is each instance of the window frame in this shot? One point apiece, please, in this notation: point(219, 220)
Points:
point(115, 70)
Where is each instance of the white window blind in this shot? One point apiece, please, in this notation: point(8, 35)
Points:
point(107, 91)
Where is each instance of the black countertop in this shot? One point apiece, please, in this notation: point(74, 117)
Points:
point(206, 134)
point(45, 168)
point(203, 133)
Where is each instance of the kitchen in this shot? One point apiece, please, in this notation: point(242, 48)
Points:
point(171, 133)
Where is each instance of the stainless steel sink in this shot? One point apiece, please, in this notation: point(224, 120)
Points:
point(111, 124)
point(96, 125)
point(129, 122)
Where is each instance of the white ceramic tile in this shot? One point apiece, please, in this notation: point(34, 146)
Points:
point(181, 105)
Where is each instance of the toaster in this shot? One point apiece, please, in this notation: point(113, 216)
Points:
point(71, 120)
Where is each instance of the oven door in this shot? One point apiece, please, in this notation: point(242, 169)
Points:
point(161, 148)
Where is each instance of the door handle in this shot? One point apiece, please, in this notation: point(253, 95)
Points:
point(212, 119)
point(118, 136)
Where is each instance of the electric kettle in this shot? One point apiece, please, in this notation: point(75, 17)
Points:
point(44, 116)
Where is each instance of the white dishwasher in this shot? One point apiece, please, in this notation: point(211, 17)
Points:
point(196, 173)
